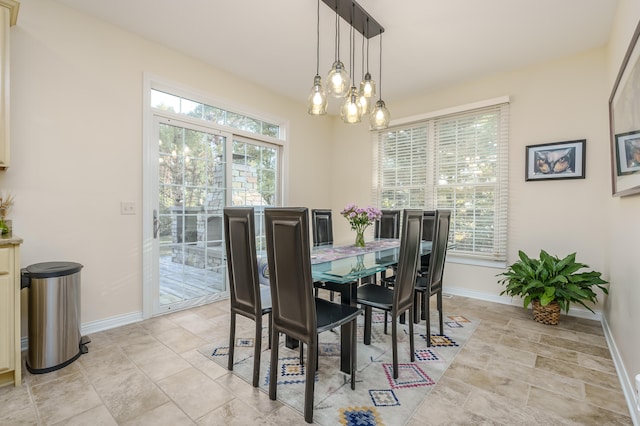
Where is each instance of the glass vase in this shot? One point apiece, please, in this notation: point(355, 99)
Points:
point(359, 238)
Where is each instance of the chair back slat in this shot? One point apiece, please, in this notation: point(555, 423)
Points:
point(288, 254)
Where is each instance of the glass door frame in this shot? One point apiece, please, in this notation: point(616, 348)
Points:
point(151, 245)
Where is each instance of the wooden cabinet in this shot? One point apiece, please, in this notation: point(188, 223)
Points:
point(10, 358)
point(8, 17)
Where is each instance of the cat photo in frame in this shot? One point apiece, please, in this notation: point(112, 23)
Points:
point(628, 152)
point(557, 160)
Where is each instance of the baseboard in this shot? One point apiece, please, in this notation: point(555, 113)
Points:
point(626, 380)
point(96, 326)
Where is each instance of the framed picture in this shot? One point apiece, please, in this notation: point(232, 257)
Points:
point(624, 122)
point(628, 153)
point(559, 160)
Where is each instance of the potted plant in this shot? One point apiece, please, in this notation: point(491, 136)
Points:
point(551, 284)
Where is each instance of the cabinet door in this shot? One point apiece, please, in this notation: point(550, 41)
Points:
point(7, 317)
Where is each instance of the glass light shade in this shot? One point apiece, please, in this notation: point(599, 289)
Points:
point(317, 98)
point(338, 81)
point(366, 103)
point(367, 86)
point(379, 118)
point(351, 111)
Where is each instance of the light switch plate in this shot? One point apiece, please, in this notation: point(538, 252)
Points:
point(127, 207)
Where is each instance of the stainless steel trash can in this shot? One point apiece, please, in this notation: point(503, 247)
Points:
point(54, 315)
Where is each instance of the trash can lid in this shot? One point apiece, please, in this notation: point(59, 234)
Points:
point(51, 269)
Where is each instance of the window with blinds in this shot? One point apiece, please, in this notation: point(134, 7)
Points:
point(456, 162)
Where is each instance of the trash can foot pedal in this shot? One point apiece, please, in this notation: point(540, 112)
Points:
point(84, 340)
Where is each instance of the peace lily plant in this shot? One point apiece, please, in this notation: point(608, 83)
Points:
point(550, 279)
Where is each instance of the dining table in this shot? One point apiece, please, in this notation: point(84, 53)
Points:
point(343, 267)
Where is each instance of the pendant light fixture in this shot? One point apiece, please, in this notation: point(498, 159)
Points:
point(380, 116)
point(367, 85)
point(318, 98)
point(351, 111)
point(356, 99)
point(338, 79)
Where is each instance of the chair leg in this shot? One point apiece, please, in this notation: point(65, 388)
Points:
point(270, 331)
point(386, 320)
point(315, 292)
point(257, 348)
point(440, 312)
point(302, 353)
point(416, 305)
point(367, 325)
point(273, 365)
point(312, 350)
point(427, 315)
point(394, 345)
point(331, 296)
point(232, 338)
point(354, 356)
point(411, 340)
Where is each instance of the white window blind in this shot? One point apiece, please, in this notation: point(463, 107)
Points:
point(456, 162)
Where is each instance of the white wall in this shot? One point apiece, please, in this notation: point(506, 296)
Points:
point(553, 102)
point(76, 123)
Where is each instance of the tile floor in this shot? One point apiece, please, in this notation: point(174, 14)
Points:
point(513, 371)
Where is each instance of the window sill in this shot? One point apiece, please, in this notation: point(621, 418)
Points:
point(476, 262)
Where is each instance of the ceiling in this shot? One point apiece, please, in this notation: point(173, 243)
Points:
point(427, 44)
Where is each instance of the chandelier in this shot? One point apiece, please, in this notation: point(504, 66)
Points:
point(356, 102)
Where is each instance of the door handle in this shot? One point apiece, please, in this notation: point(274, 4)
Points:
point(156, 224)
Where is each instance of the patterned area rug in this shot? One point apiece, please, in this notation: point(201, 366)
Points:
point(378, 399)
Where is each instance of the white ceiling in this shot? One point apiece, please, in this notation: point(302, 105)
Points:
point(427, 43)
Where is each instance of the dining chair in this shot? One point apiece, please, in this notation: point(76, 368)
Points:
point(322, 227)
point(296, 312)
point(322, 233)
point(388, 226)
point(248, 297)
point(431, 282)
point(399, 299)
point(428, 228)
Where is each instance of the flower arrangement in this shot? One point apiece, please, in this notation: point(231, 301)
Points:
point(360, 219)
point(5, 205)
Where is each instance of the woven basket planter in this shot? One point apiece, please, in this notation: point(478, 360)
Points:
point(549, 314)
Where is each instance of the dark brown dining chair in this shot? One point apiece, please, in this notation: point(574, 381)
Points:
point(248, 297)
point(428, 229)
point(296, 312)
point(322, 232)
point(388, 226)
point(431, 282)
point(322, 227)
point(399, 299)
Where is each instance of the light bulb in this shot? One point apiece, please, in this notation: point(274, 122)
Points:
point(351, 111)
point(338, 80)
point(380, 116)
point(318, 98)
point(367, 86)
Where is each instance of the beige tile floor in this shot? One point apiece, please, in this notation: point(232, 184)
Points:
point(513, 371)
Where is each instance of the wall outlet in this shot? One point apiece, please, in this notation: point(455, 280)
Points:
point(127, 207)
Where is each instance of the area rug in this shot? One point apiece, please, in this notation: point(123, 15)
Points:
point(378, 398)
